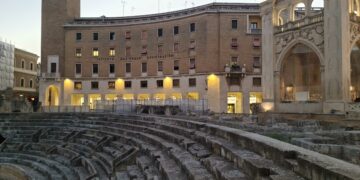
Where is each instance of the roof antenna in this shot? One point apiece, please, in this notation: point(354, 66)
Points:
point(123, 2)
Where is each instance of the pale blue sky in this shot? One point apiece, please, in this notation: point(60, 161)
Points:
point(20, 20)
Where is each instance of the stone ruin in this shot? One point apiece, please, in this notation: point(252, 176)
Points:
point(109, 146)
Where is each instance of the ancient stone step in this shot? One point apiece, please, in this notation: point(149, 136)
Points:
point(147, 167)
point(223, 169)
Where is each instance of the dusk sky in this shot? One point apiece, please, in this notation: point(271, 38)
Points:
point(21, 19)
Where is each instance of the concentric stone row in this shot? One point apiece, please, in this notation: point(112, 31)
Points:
point(98, 146)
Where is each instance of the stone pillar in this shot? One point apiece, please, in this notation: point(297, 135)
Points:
point(337, 55)
point(61, 94)
point(86, 100)
point(277, 86)
point(246, 102)
point(308, 4)
point(268, 51)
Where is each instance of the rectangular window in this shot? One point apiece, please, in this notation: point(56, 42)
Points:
point(160, 49)
point(192, 82)
point(128, 51)
point(256, 42)
point(112, 68)
point(256, 82)
point(159, 83)
point(234, 43)
point(192, 63)
point(22, 82)
point(78, 36)
point(78, 68)
point(95, 68)
point(160, 66)
point(112, 52)
point(256, 63)
point(234, 24)
point(128, 35)
point(234, 60)
point(143, 84)
point(95, 52)
point(112, 36)
point(31, 66)
point(253, 25)
point(160, 32)
point(176, 83)
point(176, 30)
point(94, 85)
point(95, 36)
point(78, 52)
point(53, 67)
point(31, 84)
point(78, 85)
point(176, 47)
point(192, 27)
point(192, 45)
point(128, 67)
point(144, 50)
point(234, 81)
point(144, 35)
point(111, 85)
point(144, 67)
point(176, 65)
point(127, 84)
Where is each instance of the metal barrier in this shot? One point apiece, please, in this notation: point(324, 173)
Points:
point(131, 106)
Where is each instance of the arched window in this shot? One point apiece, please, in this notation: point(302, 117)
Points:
point(299, 11)
point(31, 83)
point(317, 6)
point(283, 17)
point(355, 7)
point(22, 64)
point(22, 82)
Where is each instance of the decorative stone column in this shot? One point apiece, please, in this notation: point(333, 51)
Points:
point(337, 56)
point(268, 59)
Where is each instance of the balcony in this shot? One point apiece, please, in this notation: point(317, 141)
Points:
point(254, 31)
point(235, 70)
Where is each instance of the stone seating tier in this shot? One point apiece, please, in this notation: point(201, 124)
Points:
point(98, 146)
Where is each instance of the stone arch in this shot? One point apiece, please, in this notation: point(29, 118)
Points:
point(300, 70)
point(282, 16)
point(355, 70)
point(52, 96)
point(280, 59)
point(354, 7)
point(298, 15)
point(317, 4)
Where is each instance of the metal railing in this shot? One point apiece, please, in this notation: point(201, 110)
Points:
point(254, 31)
point(132, 106)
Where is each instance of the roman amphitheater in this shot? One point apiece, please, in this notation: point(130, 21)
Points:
point(322, 142)
point(106, 146)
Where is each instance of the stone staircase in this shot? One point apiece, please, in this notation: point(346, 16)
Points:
point(109, 146)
